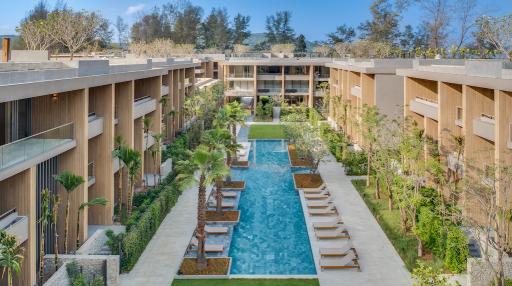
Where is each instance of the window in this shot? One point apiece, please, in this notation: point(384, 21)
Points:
point(459, 113)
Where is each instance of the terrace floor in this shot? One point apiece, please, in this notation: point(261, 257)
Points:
point(380, 263)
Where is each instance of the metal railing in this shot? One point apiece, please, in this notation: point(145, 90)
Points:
point(37, 144)
point(296, 90)
point(269, 90)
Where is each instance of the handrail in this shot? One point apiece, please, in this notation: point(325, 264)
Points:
point(7, 213)
point(37, 134)
point(142, 99)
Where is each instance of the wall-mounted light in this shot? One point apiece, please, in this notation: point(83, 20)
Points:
point(55, 97)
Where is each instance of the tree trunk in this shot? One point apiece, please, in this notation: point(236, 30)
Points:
point(233, 131)
point(78, 230)
point(129, 199)
point(56, 248)
point(66, 229)
point(420, 247)
point(41, 258)
point(9, 276)
point(201, 222)
point(369, 161)
point(120, 190)
point(218, 197)
point(377, 189)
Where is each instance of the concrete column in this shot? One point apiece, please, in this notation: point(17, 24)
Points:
point(101, 154)
point(255, 76)
point(311, 85)
point(19, 192)
point(503, 155)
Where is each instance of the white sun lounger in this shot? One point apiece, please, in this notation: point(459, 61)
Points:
point(326, 211)
point(328, 224)
point(343, 250)
point(340, 262)
point(323, 187)
point(213, 204)
point(216, 229)
point(340, 232)
point(229, 194)
point(208, 247)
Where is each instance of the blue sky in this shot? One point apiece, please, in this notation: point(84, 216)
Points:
point(313, 18)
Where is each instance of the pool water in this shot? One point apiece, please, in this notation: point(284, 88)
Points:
point(271, 238)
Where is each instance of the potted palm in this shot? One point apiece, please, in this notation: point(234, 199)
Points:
point(209, 167)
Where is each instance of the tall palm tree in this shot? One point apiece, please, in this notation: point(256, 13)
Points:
point(70, 182)
point(210, 166)
point(147, 128)
point(119, 144)
point(54, 215)
point(133, 162)
point(43, 224)
point(236, 116)
point(154, 151)
point(10, 256)
point(93, 202)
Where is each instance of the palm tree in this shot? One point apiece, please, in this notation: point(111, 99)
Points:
point(54, 220)
point(119, 144)
point(133, 162)
point(43, 224)
point(70, 182)
point(235, 116)
point(147, 127)
point(93, 202)
point(10, 256)
point(210, 167)
point(154, 151)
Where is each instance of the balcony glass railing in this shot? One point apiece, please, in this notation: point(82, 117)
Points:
point(35, 145)
point(296, 90)
point(269, 90)
point(241, 75)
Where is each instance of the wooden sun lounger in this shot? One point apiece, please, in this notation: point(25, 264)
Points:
point(229, 194)
point(208, 247)
point(327, 211)
point(342, 262)
point(345, 249)
point(320, 196)
point(323, 187)
point(328, 224)
point(340, 232)
point(216, 229)
point(319, 204)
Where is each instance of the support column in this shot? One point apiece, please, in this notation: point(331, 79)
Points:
point(19, 192)
point(311, 85)
point(124, 99)
point(503, 115)
point(103, 106)
point(255, 76)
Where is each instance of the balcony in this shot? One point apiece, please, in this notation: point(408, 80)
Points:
point(199, 71)
point(296, 77)
point(458, 122)
point(269, 91)
point(143, 106)
point(240, 76)
point(15, 225)
point(95, 125)
point(165, 90)
point(483, 126)
point(297, 91)
point(239, 92)
point(148, 141)
point(187, 82)
point(356, 91)
point(91, 178)
point(320, 92)
point(424, 107)
point(30, 151)
point(270, 76)
point(322, 77)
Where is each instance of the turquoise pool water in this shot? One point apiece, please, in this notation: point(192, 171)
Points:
point(271, 238)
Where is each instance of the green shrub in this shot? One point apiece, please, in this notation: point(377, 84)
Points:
point(457, 251)
point(429, 229)
point(177, 150)
point(98, 281)
point(355, 163)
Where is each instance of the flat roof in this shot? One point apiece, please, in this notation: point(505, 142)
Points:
point(371, 66)
point(273, 61)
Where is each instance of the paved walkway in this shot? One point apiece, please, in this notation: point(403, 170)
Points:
point(162, 257)
point(380, 263)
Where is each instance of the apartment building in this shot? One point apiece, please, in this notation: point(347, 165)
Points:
point(64, 116)
point(355, 83)
point(296, 80)
point(472, 99)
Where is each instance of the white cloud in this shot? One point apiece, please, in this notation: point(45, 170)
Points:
point(135, 9)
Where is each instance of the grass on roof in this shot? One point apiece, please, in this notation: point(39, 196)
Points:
point(266, 132)
point(246, 282)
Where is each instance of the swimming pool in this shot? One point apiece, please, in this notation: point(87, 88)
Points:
point(271, 237)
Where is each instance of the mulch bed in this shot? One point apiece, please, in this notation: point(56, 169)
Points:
point(304, 181)
point(294, 158)
point(240, 164)
point(216, 266)
point(231, 216)
point(233, 185)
